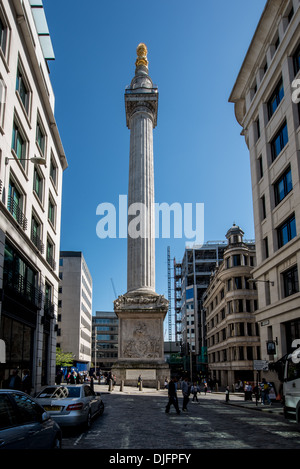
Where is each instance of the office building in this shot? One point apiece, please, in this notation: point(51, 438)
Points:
point(191, 279)
point(105, 339)
point(266, 106)
point(32, 162)
point(75, 308)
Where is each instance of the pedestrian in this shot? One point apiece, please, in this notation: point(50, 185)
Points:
point(26, 382)
point(185, 392)
point(172, 396)
point(194, 391)
point(265, 389)
point(58, 377)
point(73, 378)
point(139, 383)
point(14, 381)
point(248, 391)
point(205, 388)
point(227, 394)
point(256, 393)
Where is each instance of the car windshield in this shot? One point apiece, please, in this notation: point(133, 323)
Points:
point(62, 392)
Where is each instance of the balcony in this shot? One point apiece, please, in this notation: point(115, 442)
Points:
point(51, 261)
point(37, 241)
point(17, 213)
point(17, 287)
point(49, 308)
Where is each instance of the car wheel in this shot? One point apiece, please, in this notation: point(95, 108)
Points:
point(57, 442)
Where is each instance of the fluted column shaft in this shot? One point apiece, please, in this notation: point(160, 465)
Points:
point(141, 223)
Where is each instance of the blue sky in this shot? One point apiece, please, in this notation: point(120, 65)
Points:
point(195, 52)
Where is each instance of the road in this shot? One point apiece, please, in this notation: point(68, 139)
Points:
point(136, 420)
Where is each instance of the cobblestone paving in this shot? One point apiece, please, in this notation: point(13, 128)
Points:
point(138, 421)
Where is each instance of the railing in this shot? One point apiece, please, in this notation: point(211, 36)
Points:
point(20, 286)
point(51, 261)
point(17, 213)
point(49, 308)
point(37, 242)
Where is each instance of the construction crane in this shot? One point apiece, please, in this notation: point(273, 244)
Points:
point(112, 282)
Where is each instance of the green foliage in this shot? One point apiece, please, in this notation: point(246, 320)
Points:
point(63, 359)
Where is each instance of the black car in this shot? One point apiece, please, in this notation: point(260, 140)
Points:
point(24, 424)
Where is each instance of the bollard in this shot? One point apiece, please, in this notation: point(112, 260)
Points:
point(158, 385)
point(122, 386)
point(140, 386)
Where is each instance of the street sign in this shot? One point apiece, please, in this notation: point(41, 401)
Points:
point(260, 365)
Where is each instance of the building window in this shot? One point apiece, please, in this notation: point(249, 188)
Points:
point(283, 186)
point(290, 14)
point(260, 168)
point(36, 233)
point(38, 184)
point(265, 67)
point(263, 207)
point(18, 144)
point(275, 98)
point(286, 231)
point(19, 276)
point(266, 248)
point(3, 36)
point(296, 60)
point(50, 254)
point(257, 126)
point(22, 89)
point(238, 283)
point(53, 171)
point(277, 42)
point(40, 137)
point(290, 281)
point(51, 212)
point(279, 141)
point(236, 260)
point(15, 205)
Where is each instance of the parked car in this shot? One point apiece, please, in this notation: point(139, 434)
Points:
point(24, 424)
point(71, 405)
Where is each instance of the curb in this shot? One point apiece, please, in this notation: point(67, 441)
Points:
point(270, 410)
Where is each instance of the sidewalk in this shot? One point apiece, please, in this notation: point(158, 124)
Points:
point(235, 399)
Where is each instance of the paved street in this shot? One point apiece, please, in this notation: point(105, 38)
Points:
point(136, 419)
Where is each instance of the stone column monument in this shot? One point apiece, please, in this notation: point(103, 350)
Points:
point(141, 311)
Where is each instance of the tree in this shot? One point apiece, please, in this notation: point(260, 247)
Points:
point(63, 358)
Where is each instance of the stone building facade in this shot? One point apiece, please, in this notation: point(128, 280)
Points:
point(32, 162)
point(230, 302)
point(266, 106)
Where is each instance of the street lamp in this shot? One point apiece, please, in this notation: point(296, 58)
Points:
point(35, 159)
point(254, 280)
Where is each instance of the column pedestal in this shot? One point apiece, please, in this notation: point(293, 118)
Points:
point(141, 341)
